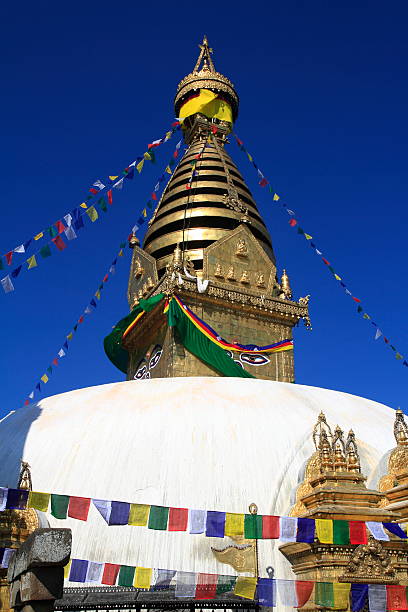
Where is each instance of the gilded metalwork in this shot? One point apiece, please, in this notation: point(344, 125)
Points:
point(285, 286)
point(371, 563)
point(245, 280)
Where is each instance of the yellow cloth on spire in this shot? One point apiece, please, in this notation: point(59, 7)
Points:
point(138, 515)
point(341, 592)
point(234, 524)
point(245, 587)
point(207, 103)
point(324, 530)
point(143, 578)
point(38, 500)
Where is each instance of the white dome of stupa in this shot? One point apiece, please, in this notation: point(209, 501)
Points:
point(206, 443)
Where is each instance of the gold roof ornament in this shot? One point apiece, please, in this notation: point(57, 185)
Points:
point(285, 284)
point(400, 428)
point(320, 427)
point(205, 76)
point(133, 241)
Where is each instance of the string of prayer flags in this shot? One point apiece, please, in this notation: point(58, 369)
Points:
point(294, 222)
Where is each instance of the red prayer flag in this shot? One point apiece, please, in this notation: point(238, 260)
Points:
point(175, 124)
point(239, 142)
point(325, 261)
point(59, 243)
point(26, 403)
point(105, 278)
point(386, 340)
point(92, 190)
point(154, 196)
point(78, 507)
point(358, 532)
point(55, 361)
point(292, 222)
point(60, 226)
point(304, 590)
point(206, 586)
point(175, 154)
point(396, 597)
point(109, 194)
point(9, 257)
point(81, 319)
point(110, 573)
point(178, 519)
point(188, 186)
point(263, 182)
point(356, 299)
point(270, 527)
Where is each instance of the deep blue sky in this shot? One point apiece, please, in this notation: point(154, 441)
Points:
point(323, 93)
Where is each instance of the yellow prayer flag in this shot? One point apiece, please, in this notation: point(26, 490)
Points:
point(276, 197)
point(308, 236)
point(138, 515)
point(139, 166)
point(341, 592)
point(112, 178)
point(147, 155)
point(234, 524)
point(38, 236)
point(38, 500)
point(245, 587)
point(209, 104)
point(44, 378)
point(83, 205)
point(168, 170)
point(324, 530)
point(70, 336)
point(98, 295)
point(337, 277)
point(92, 213)
point(120, 253)
point(366, 316)
point(143, 578)
point(32, 262)
point(168, 135)
point(67, 569)
point(250, 157)
point(144, 212)
point(398, 356)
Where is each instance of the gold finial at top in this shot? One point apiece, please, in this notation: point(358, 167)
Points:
point(205, 57)
point(285, 284)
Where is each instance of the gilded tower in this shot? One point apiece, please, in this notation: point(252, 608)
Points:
point(207, 242)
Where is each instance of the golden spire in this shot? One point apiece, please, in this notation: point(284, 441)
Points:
point(285, 284)
point(205, 57)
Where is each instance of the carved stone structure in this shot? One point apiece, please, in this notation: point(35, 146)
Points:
point(395, 484)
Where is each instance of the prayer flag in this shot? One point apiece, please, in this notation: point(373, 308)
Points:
point(119, 514)
point(31, 397)
point(395, 529)
point(225, 584)
point(292, 222)
point(266, 592)
point(155, 143)
point(16, 272)
point(377, 530)
point(304, 590)
point(52, 231)
point(158, 517)
point(109, 194)
point(341, 595)
point(39, 501)
point(94, 572)
point(7, 284)
point(68, 219)
point(270, 527)
point(45, 251)
point(215, 524)
point(9, 257)
point(70, 336)
point(59, 506)
point(359, 594)
point(139, 166)
point(104, 508)
point(138, 515)
point(38, 236)
point(324, 595)
point(5, 562)
point(358, 532)
point(126, 576)
point(197, 521)
point(341, 532)
point(163, 578)
point(79, 568)
point(377, 597)
point(305, 530)
point(61, 353)
point(17, 499)
point(20, 249)
point(60, 226)
point(287, 592)
point(113, 178)
point(245, 587)
point(67, 569)
point(92, 213)
point(288, 528)
point(206, 586)
point(309, 237)
point(59, 243)
point(147, 155)
point(178, 519)
point(396, 597)
point(143, 578)
point(185, 584)
point(168, 170)
point(78, 218)
point(324, 531)
point(1, 264)
point(44, 378)
point(378, 333)
point(276, 197)
point(110, 573)
point(99, 184)
point(32, 262)
point(234, 524)
point(253, 526)
point(78, 507)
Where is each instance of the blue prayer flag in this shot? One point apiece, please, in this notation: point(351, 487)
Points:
point(119, 514)
point(266, 592)
point(78, 221)
point(395, 529)
point(14, 273)
point(78, 571)
point(359, 594)
point(305, 530)
point(215, 524)
point(17, 499)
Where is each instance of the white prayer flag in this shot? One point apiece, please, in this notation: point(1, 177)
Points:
point(99, 185)
point(197, 520)
point(112, 270)
point(20, 249)
point(377, 530)
point(118, 184)
point(164, 577)
point(68, 219)
point(70, 233)
point(6, 557)
point(178, 145)
point(94, 572)
point(185, 584)
point(319, 252)
point(202, 285)
point(288, 528)
point(88, 310)
point(287, 592)
point(3, 498)
point(378, 333)
point(157, 187)
point(104, 508)
point(61, 353)
point(377, 597)
point(31, 395)
point(7, 284)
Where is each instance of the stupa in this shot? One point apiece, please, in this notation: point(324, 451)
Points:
point(209, 416)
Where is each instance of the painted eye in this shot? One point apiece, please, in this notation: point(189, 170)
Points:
point(238, 363)
point(156, 354)
point(229, 353)
point(254, 359)
point(141, 370)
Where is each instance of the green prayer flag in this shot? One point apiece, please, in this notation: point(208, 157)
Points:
point(52, 231)
point(225, 584)
point(332, 270)
point(103, 205)
point(122, 245)
point(359, 309)
point(59, 506)
point(126, 575)
point(300, 231)
point(158, 517)
point(45, 251)
point(49, 370)
point(324, 594)
point(341, 532)
point(149, 204)
point(1, 264)
point(393, 347)
point(253, 526)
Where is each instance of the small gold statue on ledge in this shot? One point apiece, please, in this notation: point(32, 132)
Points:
point(138, 269)
point(260, 280)
point(242, 249)
point(231, 274)
point(244, 278)
point(218, 271)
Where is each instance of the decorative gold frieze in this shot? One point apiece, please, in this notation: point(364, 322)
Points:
point(372, 563)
